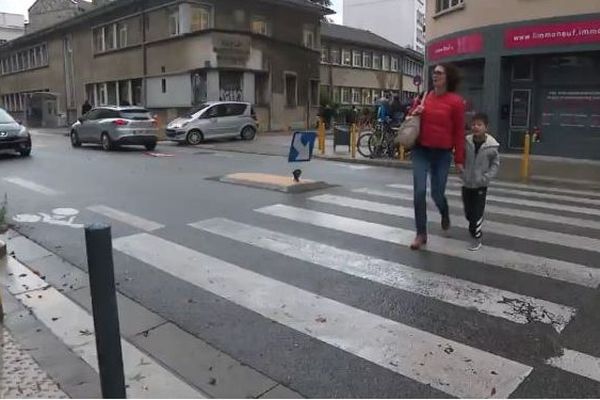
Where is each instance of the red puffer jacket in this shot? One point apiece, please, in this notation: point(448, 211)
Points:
point(443, 124)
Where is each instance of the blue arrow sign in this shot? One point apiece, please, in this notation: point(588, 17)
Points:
point(302, 146)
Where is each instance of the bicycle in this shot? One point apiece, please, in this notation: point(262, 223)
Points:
point(377, 144)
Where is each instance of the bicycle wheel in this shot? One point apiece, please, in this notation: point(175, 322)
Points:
point(363, 145)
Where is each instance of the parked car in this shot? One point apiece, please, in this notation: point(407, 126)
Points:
point(13, 135)
point(115, 126)
point(212, 120)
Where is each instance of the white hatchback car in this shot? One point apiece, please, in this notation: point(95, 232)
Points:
point(213, 120)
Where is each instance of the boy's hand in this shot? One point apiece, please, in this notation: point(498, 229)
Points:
point(460, 169)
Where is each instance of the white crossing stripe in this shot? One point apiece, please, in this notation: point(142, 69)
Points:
point(540, 195)
point(485, 299)
point(549, 189)
point(494, 209)
point(522, 232)
point(527, 263)
point(126, 218)
point(521, 202)
point(414, 353)
point(577, 363)
point(145, 377)
point(36, 187)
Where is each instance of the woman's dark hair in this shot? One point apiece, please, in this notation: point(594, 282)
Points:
point(453, 77)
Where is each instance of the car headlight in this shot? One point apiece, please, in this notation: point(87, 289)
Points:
point(23, 132)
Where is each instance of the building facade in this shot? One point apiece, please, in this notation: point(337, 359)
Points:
point(532, 66)
point(171, 56)
point(357, 67)
point(399, 21)
point(12, 26)
point(45, 13)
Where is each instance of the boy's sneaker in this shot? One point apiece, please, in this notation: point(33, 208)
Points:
point(475, 245)
point(445, 222)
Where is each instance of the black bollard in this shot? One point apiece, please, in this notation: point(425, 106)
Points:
point(104, 305)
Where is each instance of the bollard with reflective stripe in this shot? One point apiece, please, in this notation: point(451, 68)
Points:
point(525, 160)
point(321, 137)
point(353, 139)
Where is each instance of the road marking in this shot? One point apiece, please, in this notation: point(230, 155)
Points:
point(491, 208)
point(126, 218)
point(145, 377)
point(550, 189)
point(550, 196)
point(36, 187)
point(527, 263)
point(459, 292)
point(522, 202)
point(522, 232)
point(432, 360)
point(577, 363)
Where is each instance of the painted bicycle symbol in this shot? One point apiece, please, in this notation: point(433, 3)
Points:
point(59, 216)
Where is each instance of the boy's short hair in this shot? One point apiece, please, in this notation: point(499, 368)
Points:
point(483, 117)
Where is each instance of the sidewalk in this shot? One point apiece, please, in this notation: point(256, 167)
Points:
point(20, 375)
point(544, 170)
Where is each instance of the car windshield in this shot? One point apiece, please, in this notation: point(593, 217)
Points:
point(5, 117)
point(196, 110)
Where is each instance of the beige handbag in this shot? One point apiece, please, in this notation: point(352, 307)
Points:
point(408, 133)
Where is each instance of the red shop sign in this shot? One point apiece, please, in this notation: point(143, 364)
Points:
point(455, 47)
point(553, 34)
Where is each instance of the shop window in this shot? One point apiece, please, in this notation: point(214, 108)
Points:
point(112, 93)
point(335, 56)
point(356, 96)
point(163, 85)
point(366, 96)
point(356, 58)
point(124, 93)
point(336, 95)
point(136, 92)
point(291, 90)
point(346, 95)
point(230, 86)
point(522, 69)
point(199, 88)
point(200, 18)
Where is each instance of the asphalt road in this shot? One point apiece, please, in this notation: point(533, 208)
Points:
point(319, 291)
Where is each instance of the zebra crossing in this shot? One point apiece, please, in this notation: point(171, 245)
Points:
point(449, 363)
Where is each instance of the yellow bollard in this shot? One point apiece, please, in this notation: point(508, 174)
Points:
point(525, 160)
point(353, 139)
point(401, 153)
point(321, 132)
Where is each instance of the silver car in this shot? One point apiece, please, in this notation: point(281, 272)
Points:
point(115, 126)
point(212, 120)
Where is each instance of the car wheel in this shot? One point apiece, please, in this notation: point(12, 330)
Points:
point(75, 142)
point(194, 137)
point(150, 146)
point(25, 153)
point(248, 133)
point(106, 142)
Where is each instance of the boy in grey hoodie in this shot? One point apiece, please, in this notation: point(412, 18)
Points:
point(482, 161)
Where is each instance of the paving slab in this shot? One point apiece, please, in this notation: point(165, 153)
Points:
point(279, 183)
point(212, 371)
point(281, 392)
point(133, 318)
point(59, 273)
point(26, 250)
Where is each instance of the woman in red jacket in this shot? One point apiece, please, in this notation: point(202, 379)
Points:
point(442, 130)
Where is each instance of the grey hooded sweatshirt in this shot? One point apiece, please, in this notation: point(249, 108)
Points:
point(482, 167)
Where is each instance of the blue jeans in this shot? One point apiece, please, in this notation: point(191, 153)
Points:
point(436, 161)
